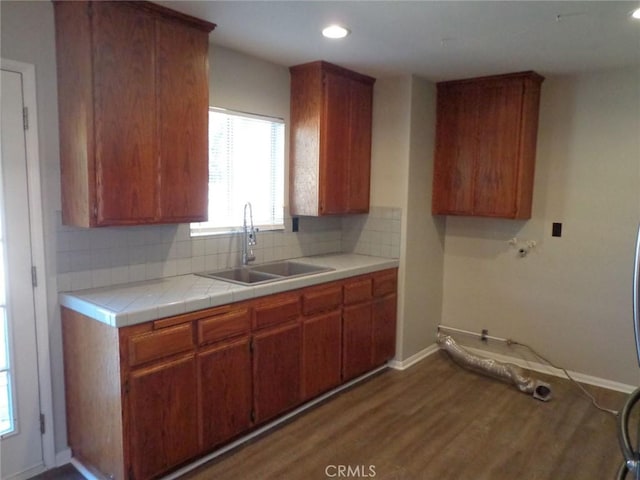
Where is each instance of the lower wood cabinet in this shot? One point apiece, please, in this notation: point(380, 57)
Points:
point(145, 399)
point(321, 339)
point(369, 316)
point(163, 422)
point(357, 345)
point(383, 325)
point(225, 376)
point(276, 371)
point(321, 353)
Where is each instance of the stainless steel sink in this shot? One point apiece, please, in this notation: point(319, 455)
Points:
point(289, 268)
point(240, 275)
point(269, 272)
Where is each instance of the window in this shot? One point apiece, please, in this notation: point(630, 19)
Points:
point(6, 394)
point(246, 164)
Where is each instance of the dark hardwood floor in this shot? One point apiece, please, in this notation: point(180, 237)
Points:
point(66, 472)
point(435, 421)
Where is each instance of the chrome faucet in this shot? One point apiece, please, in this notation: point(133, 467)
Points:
point(249, 236)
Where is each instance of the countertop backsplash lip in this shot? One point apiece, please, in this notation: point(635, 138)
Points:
point(132, 303)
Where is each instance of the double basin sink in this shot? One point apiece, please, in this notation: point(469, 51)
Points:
point(268, 272)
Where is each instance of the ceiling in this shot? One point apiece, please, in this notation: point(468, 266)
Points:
point(437, 40)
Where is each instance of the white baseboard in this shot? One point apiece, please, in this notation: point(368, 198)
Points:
point(547, 369)
point(84, 471)
point(27, 473)
point(63, 457)
point(529, 365)
point(413, 359)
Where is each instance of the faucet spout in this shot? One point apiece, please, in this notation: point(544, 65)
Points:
point(249, 238)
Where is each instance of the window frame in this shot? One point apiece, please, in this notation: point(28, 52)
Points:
point(201, 229)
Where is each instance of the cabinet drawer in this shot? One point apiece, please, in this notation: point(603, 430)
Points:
point(275, 310)
point(160, 343)
point(385, 283)
point(321, 299)
point(212, 329)
point(357, 291)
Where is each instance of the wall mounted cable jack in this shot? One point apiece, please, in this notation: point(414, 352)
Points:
point(523, 247)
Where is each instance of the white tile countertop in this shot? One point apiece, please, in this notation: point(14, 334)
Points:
point(132, 303)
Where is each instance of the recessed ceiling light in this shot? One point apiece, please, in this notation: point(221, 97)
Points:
point(636, 14)
point(335, 31)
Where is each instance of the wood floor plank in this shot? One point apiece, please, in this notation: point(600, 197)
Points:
point(436, 421)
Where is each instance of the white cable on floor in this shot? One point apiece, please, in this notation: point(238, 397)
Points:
point(511, 342)
point(594, 402)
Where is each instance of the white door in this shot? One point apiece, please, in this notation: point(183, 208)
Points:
point(21, 450)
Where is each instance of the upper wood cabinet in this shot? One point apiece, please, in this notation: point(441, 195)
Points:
point(330, 160)
point(485, 150)
point(133, 100)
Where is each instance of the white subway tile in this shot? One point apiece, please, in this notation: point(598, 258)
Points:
point(137, 272)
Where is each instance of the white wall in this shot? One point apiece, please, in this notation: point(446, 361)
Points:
point(27, 35)
point(390, 141)
point(402, 162)
point(423, 257)
point(570, 297)
point(249, 84)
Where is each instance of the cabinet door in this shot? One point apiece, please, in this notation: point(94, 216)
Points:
point(183, 95)
point(496, 177)
point(334, 144)
point(163, 416)
point(384, 329)
point(276, 371)
point(359, 166)
point(125, 109)
point(356, 340)
point(321, 353)
point(224, 375)
point(456, 144)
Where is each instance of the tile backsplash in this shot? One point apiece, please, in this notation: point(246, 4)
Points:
point(376, 233)
point(98, 257)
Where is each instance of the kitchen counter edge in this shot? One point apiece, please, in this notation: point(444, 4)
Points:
point(133, 303)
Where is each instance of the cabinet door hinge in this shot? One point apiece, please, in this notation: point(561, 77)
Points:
point(42, 424)
point(251, 345)
point(253, 416)
point(126, 386)
point(25, 118)
point(34, 276)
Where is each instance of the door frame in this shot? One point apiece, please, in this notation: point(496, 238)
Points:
point(36, 224)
